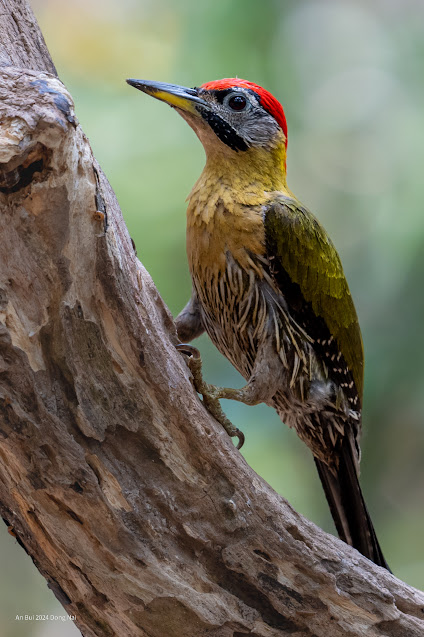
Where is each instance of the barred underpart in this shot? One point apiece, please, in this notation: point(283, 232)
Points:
point(241, 308)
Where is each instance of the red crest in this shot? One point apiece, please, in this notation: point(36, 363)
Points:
point(267, 101)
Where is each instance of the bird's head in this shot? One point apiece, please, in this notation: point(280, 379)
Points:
point(234, 119)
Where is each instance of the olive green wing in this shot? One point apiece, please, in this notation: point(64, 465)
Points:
point(308, 271)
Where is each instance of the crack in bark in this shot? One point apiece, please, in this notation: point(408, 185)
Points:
point(21, 171)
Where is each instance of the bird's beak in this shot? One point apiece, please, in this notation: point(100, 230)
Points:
point(186, 99)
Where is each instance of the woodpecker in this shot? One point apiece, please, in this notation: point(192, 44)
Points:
point(270, 291)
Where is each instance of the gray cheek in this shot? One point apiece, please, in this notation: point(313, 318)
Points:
point(260, 132)
point(254, 125)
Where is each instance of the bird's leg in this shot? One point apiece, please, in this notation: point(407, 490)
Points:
point(265, 379)
point(207, 391)
point(261, 387)
point(189, 320)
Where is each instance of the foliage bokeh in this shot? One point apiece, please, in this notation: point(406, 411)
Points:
point(350, 77)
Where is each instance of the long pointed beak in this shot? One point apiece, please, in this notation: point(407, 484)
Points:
point(186, 99)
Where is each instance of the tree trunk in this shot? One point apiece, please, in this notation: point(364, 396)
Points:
point(129, 497)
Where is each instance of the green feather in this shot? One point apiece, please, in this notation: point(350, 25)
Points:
point(301, 246)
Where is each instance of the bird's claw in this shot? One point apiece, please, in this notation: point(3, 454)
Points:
point(188, 350)
point(208, 392)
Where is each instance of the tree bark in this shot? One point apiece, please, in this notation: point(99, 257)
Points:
point(130, 499)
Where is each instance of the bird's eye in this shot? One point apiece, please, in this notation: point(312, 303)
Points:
point(237, 103)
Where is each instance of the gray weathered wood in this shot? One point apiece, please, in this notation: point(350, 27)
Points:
point(135, 506)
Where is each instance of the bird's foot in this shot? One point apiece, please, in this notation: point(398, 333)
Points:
point(210, 393)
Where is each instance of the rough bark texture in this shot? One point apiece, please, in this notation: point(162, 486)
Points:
point(132, 502)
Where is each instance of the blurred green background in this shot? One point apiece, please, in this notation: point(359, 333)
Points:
point(350, 77)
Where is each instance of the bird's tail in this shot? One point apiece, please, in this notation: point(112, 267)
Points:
point(347, 505)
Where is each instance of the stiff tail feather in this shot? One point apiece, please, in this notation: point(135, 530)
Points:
point(347, 506)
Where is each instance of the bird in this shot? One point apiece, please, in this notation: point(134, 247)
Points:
point(269, 289)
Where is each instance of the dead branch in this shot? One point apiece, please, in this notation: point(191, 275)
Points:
point(132, 502)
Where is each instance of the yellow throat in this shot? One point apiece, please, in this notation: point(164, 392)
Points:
point(225, 205)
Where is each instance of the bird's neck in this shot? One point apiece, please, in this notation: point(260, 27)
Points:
point(225, 212)
point(245, 178)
